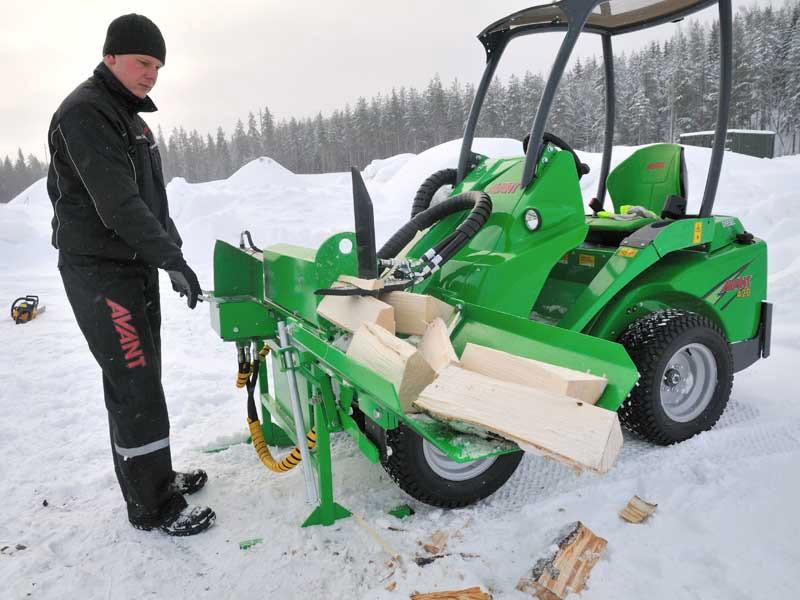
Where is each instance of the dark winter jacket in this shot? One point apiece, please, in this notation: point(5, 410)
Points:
point(105, 180)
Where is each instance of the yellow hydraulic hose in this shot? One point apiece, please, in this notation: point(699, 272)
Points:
point(242, 376)
point(291, 460)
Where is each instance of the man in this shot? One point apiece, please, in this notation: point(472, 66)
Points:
point(113, 231)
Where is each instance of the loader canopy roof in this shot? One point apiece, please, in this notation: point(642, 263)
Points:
point(612, 17)
point(606, 18)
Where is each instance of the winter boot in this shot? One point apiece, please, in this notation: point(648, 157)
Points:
point(190, 521)
point(190, 481)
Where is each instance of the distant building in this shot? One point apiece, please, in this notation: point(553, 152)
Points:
point(743, 141)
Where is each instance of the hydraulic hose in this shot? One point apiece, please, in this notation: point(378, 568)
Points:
point(449, 246)
point(429, 187)
point(468, 227)
point(243, 374)
point(291, 460)
point(425, 219)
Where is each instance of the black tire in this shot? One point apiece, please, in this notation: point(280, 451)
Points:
point(408, 466)
point(685, 338)
point(429, 187)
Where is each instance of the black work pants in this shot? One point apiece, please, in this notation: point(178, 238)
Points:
point(118, 310)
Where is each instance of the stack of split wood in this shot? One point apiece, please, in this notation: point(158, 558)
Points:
point(542, 407)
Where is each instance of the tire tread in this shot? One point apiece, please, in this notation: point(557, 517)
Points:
point(646, 340)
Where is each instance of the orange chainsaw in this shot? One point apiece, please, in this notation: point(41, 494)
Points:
point(26, 309)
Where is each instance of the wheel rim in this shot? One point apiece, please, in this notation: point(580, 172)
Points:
point(446, 468)
point(688, 382)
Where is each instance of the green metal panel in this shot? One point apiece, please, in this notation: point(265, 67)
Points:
point(292, 273)
point(609, 288)
point(459, 446)
point(237, 272)
point(726, 229)
point(760, 144)
point(240, 318)
point(336, 256)
point(695, 281)
point(504, 254)
point(702, 140)
point(629, 262)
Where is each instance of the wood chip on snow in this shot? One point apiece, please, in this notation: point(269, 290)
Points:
point(565, 570)
point(637, 510)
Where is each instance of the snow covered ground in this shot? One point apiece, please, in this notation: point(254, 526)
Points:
point(726, 525)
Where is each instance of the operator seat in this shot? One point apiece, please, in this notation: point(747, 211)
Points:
point(646, 178)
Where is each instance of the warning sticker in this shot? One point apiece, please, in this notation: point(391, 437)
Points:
point(627, 252)
point(586, 260)
point(698, 232)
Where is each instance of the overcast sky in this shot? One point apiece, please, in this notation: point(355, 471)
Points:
point(227, 58)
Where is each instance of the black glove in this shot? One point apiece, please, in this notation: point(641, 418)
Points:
point(185, 282)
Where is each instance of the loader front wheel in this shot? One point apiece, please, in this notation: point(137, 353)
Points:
point(427, 474)
point(685, 376)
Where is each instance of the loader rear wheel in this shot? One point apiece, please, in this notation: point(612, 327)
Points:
point(686, 375)
point(430, 476)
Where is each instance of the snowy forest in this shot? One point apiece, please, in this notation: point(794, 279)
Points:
point(663, 90)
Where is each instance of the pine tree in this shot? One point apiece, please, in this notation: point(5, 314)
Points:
point(416, 137)
point(533, 87)
point(166, 158)
point(5, 180)
point(793, 86)
point(394, 121)
point(517, 124)
point(253, 138)
point(223, 155)
point(492, 117)
point(267, 132)
point(435, 111)
point(456, 116)
point(240, 146)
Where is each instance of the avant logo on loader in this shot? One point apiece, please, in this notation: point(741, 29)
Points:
point(128, 336)
point(735, 282)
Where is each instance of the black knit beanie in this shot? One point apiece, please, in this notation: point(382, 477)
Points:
point(135, 34)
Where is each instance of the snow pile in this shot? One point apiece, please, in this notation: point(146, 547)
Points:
point(260, 172)
point(25, 220)
point(403, 186)
point(381, 170)
point(726, 499)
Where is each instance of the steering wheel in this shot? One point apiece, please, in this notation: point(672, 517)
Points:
point(549, 138)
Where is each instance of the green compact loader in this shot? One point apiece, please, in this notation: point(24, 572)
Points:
point(664, 304)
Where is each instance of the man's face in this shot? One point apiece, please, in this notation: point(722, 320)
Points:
point(137, 72)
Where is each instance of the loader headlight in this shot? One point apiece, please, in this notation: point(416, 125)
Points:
point(533, 220)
